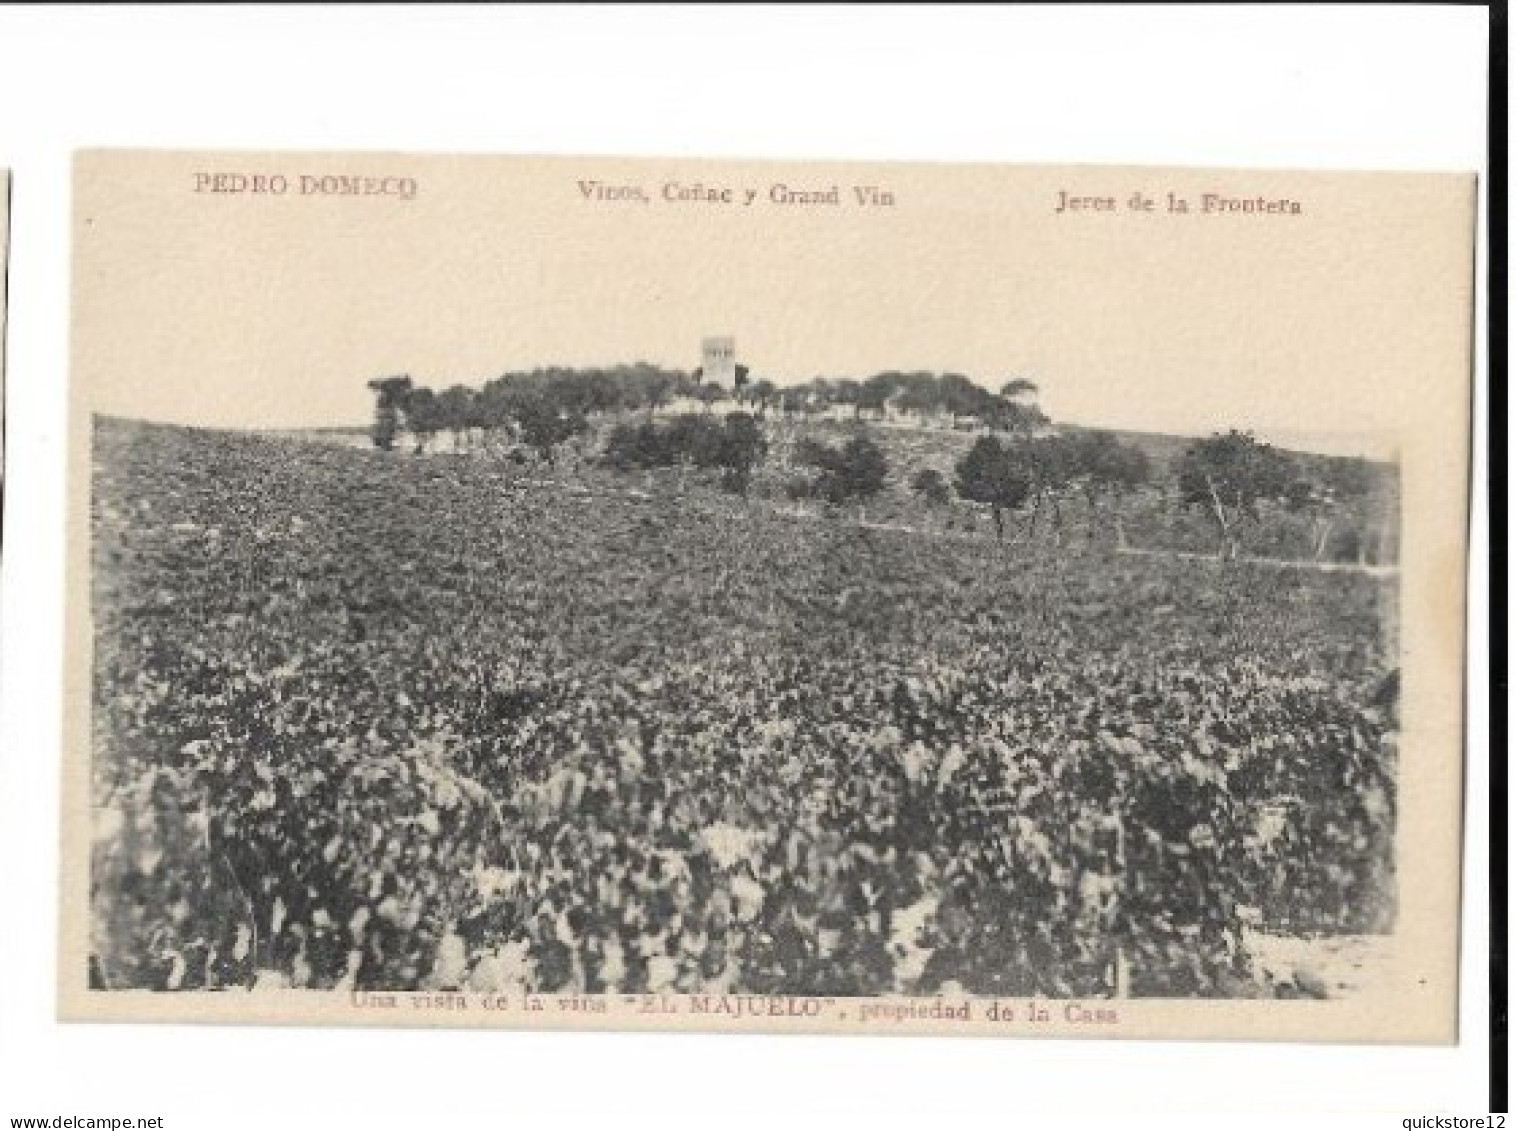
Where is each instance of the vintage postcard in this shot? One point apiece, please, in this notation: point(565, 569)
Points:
point(763, 596)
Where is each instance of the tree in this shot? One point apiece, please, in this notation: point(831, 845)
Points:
point(932, 486)
point(1053, 464)
point(1338, 492)
point(821, 393)
point(654, 389)
point(1104, 466)
point(857, 470)
point(875, 393)
point(735, 446)
point(455, 407)
point(995, 474)
point(1018, 387)
point(697, 440)
point(642, 445)
point(763, 393)
point(961, 397)
point(544, 425)
point(709, 395)
point(793, 400)
point(846, 393)
point(1001, 414)
point(423, 415)
point(1227, 476)
point(743, 448)
point(391, 394)
point(918, 393)
point(752, 393)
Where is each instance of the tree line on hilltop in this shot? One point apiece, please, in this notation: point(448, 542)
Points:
point(1018, 465)
point(546, 406)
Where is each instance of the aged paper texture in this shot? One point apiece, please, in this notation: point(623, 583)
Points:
point(642, 594)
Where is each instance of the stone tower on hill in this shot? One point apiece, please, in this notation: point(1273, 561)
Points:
point(718, 361)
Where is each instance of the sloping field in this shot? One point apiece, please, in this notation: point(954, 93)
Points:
point(425, 722)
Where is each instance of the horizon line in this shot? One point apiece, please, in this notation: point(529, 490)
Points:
point(1289, 440)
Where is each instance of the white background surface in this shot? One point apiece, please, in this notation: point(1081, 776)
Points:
point(1353, 87)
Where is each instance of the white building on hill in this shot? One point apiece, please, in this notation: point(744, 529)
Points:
point(718, 361)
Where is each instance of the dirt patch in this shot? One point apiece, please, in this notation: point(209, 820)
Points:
point(1330, 966)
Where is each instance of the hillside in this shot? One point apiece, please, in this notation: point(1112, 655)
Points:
point(1152, 518)
point(906, 441)
point(452, 717)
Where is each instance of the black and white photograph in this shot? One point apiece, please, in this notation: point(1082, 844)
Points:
point(555, 592)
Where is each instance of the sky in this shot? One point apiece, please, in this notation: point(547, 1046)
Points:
point(270, 309)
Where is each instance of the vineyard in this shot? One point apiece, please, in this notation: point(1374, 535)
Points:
point(367, 720)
